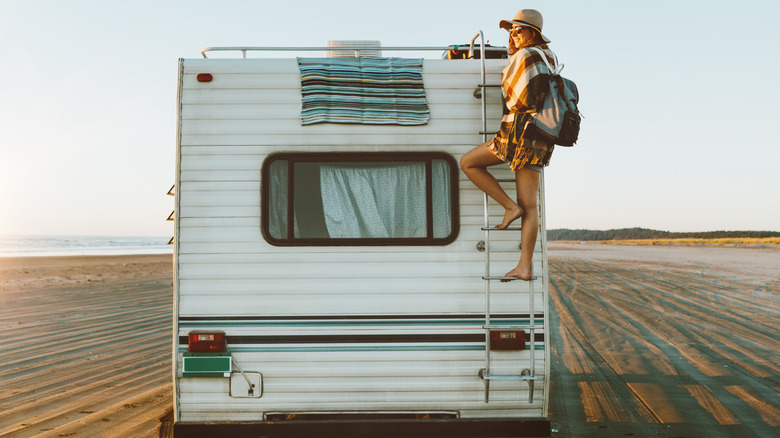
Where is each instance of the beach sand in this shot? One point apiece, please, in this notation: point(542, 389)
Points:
point(664, 341)
point(645, 341)
point(86, 345)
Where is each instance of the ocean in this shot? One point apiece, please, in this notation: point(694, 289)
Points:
point(40, 246)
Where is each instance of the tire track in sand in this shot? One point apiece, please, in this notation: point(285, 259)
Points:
point(89, 359)
point(716, 330)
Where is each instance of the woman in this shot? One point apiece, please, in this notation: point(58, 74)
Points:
point(524, 82)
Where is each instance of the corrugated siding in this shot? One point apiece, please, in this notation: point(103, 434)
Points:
point(226, 268)
point(411, 381)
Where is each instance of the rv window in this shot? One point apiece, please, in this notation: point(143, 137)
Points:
point(360, 199)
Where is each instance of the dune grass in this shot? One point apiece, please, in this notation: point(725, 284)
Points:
point(765, 242)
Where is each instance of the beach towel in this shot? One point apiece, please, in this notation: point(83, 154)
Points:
point(363, 90)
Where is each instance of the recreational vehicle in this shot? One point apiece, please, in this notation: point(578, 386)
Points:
point(335, 271)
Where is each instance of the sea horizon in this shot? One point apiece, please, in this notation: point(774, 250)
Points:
point(60, 245)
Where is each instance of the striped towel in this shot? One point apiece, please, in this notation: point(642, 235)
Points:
point(366, 90)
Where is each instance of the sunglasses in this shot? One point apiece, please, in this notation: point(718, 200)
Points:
point(516, 29)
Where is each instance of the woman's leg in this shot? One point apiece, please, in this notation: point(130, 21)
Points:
point(474, 164)
point(527, 181)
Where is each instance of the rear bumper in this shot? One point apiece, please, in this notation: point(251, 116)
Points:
point(455, 427)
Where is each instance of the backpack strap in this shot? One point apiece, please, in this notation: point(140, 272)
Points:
point(558, 67)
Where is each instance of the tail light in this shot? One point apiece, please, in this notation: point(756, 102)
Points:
point(507, 340)
point(207, 342)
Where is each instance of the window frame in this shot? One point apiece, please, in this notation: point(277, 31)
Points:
point(358, 157)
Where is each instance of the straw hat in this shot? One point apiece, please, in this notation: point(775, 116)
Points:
point(525, 17)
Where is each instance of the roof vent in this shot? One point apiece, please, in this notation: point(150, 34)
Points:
point(372, 48)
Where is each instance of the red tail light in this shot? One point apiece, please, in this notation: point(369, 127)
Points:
point(206, 342)
point(514, 340)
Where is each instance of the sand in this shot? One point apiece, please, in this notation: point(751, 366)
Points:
point(665, 341)
point(26, 273)
point(646, 341)
point(86, 348)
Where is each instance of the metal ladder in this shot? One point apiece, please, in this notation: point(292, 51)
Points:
point(527, 374)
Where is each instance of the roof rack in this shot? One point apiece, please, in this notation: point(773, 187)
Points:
point(357, 49)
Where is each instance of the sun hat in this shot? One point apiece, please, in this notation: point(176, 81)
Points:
point(525, 17)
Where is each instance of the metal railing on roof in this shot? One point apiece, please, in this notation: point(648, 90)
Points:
point(357, 49)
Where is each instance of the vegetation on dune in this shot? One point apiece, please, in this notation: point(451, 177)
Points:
point(634, 234)
point(735, 241)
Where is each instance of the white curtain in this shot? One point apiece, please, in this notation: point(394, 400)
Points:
point(442, 204)
point(277, 200)
point(374, 201)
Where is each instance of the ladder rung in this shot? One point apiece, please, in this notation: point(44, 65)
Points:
point(508, 377)
point(489, 85)
point(501, 229)
point(509, 278)
point(509, 328)
point(488, 132)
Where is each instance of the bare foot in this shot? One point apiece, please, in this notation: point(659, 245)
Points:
point(521, 273)
point(510, 216)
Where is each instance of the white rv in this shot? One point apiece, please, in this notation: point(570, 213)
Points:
point(342, 278)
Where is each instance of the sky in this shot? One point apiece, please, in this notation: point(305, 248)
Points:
point(680, 103)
